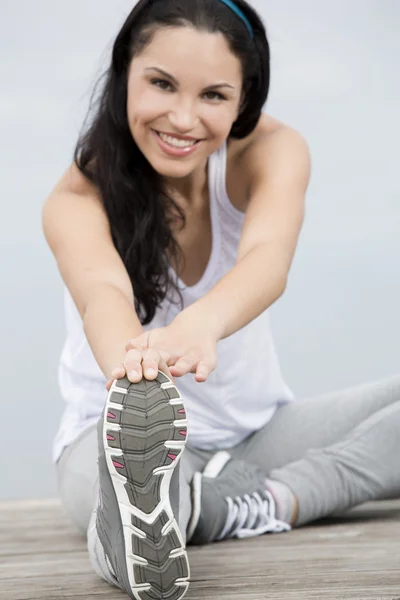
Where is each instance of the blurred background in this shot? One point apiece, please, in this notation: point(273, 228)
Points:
point(335, 78)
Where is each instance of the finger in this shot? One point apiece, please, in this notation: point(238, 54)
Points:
point(118, 372)
point(163, 367)
point(138, 343)
point(166, 356)
point(182, 366)
point(150, 363)
point(133, 365)
point(202, 373)
point(204, 369)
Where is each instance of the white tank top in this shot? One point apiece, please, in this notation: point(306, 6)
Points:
point(241, 394)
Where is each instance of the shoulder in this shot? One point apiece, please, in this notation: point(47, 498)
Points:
point(273, 145)
point(266, 128)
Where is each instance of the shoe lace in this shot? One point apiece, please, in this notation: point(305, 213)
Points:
point(251, 516)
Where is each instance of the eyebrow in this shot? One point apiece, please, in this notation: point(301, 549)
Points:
point(175, 81)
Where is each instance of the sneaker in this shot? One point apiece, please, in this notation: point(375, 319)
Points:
point(230, 500)
point(141, 437)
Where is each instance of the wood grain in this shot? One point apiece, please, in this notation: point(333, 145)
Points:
point(355, 556)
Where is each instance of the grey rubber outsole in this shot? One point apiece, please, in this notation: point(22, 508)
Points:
point(141, 435)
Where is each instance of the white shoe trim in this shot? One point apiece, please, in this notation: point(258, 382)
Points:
point(196, 505)
point(212, 469)
point(216, 464)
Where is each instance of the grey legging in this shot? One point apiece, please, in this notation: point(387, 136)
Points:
point(334, 451)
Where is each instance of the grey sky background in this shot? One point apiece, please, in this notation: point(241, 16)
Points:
point(335, 78)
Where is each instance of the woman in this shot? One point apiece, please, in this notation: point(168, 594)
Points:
point(174, 231)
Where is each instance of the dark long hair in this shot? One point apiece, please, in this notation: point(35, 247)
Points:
point(140, 213)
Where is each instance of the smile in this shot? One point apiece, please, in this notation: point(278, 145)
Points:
point(176, 142)
point(175, 147)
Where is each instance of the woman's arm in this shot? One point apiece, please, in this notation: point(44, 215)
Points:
point(109, 322)
point(278, 167)
point(77, 230)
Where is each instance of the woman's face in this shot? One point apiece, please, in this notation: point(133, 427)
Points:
point(188, 102)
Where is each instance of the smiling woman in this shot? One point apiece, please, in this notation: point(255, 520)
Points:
point(178, 136)
point(179, 105)
point(213, 90)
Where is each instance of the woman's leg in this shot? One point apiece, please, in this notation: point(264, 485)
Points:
point(77, 477)
point(333, 451)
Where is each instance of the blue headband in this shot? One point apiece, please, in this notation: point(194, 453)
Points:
point(240, 15)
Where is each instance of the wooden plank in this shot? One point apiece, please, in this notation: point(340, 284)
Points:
point(355, 556)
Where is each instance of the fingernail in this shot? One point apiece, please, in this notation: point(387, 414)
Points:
point(133, 374)
point(150, 372)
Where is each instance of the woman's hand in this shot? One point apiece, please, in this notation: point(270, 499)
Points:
point(140, 358)
point(182, 347)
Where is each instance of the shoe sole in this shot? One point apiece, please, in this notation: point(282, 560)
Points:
point(144, 431)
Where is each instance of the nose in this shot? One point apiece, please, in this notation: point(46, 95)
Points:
point(183, 116)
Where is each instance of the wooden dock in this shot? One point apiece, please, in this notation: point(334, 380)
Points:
point(356, 556)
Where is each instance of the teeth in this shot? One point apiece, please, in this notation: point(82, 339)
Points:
point(174, 142)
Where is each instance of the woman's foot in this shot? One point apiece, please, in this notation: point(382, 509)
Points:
point(141, 436)
point(230, 499)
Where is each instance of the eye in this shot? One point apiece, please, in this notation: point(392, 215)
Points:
point(219, 96)
point(160, 81)
point(163, 85)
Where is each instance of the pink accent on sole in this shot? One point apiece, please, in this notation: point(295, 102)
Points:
point(181, 411)
point(118, 465)
point(111, 416)
point(172, 456)
point(183, 432)
point(110, 437)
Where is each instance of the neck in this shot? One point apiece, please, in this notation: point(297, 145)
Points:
point(190, 191)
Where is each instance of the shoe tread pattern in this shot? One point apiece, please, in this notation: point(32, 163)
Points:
point(146, 421)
